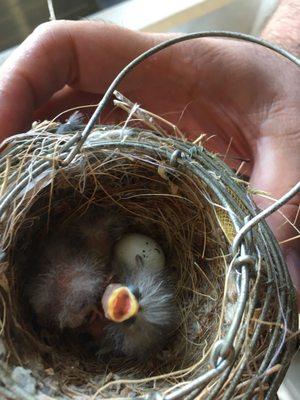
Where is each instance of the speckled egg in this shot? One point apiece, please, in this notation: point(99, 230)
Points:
point(133, 244)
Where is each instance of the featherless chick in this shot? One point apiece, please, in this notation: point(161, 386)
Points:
point(70, 271)
point(65, 283)
point(97, 232)
point(140, 306)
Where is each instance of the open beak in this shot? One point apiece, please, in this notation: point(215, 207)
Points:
point(119, 303)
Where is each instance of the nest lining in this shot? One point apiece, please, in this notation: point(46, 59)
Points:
point(170, 204)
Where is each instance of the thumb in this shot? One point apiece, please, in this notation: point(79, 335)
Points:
point(276, 171)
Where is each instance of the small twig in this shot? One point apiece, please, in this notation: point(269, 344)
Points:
point(133, 109)
point(6, 176)
point(290, 239)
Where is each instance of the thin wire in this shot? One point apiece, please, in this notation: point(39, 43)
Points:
point(262, 215)
point(81, 137)
point(194, 384)
point(51, 10)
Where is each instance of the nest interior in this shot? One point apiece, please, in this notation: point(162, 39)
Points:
point(168, 203)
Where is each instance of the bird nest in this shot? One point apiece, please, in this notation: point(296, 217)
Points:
point(236, 300)
point(237, 305)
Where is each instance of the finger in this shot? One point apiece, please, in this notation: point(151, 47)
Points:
point(276, 170)
point(67, 100)
point(63, 102)
point(85, 55)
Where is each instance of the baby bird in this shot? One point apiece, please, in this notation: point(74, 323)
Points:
point(72, 124)
point(141, 304)
point(66, 283)
point(70, 272)
point(97, 232)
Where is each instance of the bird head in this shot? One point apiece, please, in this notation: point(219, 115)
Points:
point(142, 311)
point(78, 298)
point(119, 303)
point(67, 295)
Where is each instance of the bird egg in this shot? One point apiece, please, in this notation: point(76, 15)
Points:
point(134, 244)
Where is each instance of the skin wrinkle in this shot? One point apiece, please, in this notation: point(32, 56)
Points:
point(216, 111)
point(238, 135)
point(228, 122)
point(271, 129)
point(242, 143)
point(276, 134)
point(31, 88)
point(74, 62)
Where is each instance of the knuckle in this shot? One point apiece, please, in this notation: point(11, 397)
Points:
point(49, 27)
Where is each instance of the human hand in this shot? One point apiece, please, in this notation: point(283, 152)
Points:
point(245, 95)
point(283, 27)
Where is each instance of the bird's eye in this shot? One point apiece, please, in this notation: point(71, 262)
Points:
point(135, 291)
point(87, 318)
point(82, 305)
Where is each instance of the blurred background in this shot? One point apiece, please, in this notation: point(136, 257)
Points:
point(19, 17)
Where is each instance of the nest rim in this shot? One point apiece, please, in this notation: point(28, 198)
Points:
point(195, 160)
